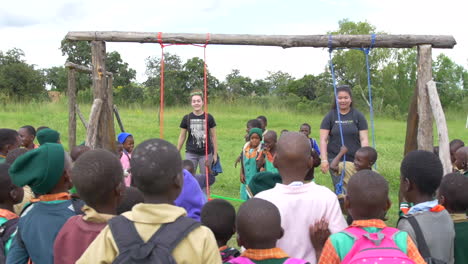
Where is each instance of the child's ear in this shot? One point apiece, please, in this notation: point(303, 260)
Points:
point(281, 233)
point(179, 180)
point(388, 205)
point(310, 163)
point(442, 200)
point(347, 203)
point(17, 195)
point(119, 191)
point(67, 179)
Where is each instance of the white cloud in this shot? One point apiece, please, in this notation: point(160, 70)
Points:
point(39, 26)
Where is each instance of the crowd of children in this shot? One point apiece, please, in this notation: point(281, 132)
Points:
point(145, 204)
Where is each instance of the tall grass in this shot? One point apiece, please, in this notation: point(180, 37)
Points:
point(142, 122)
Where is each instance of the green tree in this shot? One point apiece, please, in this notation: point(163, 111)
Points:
point(57, 78)
point(451, 80)
point(18, 79)
point(123, 75)
point(236, 84)
point(278, 82)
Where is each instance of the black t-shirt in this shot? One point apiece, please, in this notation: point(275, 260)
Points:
point(195, 126)
point(352, 123)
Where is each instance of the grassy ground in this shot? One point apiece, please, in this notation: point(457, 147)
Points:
point(143, 124)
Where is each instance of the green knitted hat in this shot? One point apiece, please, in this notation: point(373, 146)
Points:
point(257, 131)
point(263, 181)
point(40, 168)
point(47, 136)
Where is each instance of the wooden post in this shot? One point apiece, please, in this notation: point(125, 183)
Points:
point(411, 142)
point(83, 120)
point(92, 135)
point(105, 132)
point(71, 109)
point(439, 116)
point(425, 126)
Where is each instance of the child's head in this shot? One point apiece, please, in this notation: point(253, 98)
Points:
point(452, 193)
point(41, 128)
point(454, 146)
point(219, 216)
point(364, 158)
point(98, 178)
point(126, 139)
point(283, 131)
point(131, 197)
point(10, 194)
point(14, 154)
point(258, 224)
point(157, 170)
point(305, 129)
point(27, 135)
point(263, 122)
point(189, 166)
point(77, 151)
point(45, 169)
point(367, 196)
point(270, 140)
point(293, 157)
point(48, 135)
point(461, 158)
point(421, 173)
point(253, 123)
point(9, 140)
point(255, 137)
point(119, 149)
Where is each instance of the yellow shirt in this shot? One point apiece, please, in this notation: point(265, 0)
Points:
point(198, 247)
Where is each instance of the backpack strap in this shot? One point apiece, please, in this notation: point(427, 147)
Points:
point(77, 206)
point(169, 235)
point(295, 261)
point(376, 238)
point(7, 229)
point(240, 260)
point(124, 233)
point(422, 245)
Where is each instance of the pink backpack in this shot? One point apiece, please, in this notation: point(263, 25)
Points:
point(244, 260)
point(375, 247)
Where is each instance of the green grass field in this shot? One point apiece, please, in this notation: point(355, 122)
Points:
point(231, 120)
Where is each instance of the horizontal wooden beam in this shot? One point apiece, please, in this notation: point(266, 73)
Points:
point(81, 68)
point(285, 41)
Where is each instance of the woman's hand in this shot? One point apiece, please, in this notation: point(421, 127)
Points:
point(237, 161)
point(215, 158)
point(324, 166)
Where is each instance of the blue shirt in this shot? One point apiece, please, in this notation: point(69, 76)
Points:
point(38, 226)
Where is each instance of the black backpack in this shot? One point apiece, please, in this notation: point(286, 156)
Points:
point(158, 249)
point(6, 230)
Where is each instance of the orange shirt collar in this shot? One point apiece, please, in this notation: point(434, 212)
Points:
point(52, 197)
point(262, 254)
point(369, 223)
point(7, 214)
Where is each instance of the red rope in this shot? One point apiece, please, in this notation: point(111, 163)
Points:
point(205, 88)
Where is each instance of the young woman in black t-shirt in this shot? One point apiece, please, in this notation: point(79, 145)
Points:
point(354, 126)
point(194, 123)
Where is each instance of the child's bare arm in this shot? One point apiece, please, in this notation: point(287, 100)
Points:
point(337, 159)
point(319, 234)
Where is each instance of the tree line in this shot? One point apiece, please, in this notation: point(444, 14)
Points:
point(393, 74)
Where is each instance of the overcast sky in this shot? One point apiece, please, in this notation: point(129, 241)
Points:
point(37, 27)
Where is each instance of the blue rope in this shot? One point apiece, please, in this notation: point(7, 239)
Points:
point(339, 185)
point(371, 107)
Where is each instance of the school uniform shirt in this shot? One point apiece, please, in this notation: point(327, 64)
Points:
point(191, 198)
point(195, 126)
point(28, 195)
point(352, 122)
point(77, 233)
point(302, 205)
point(338, 245)
point(199, 247)
point(436, 226)
point(5, 216)
point(2, 159)
point(461, 238)
point(38, 227)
